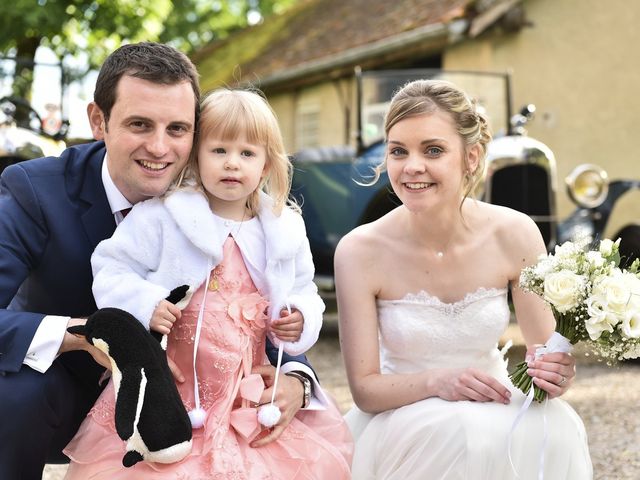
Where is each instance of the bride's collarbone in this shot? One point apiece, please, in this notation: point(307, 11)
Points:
point(443, 281)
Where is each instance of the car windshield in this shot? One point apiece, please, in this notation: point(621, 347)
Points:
point(491, 90)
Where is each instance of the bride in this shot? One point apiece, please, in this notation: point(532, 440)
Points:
point(422, 298)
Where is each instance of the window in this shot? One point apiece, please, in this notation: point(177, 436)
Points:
point(308, 125)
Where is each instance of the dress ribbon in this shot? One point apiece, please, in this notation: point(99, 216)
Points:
point(245, 420)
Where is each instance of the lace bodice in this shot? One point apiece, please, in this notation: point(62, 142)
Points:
point(420, 331)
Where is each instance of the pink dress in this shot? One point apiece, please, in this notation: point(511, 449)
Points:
point(315, 445)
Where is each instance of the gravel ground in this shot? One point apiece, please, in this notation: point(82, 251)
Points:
point(605, 397)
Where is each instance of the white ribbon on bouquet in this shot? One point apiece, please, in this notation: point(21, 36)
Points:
point(556, 343)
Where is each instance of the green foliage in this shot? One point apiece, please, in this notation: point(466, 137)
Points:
point(94, 27)
point(97, 27)
point(220, 67)
point(195, 23)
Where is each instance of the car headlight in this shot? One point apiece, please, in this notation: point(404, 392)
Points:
point(588, 185)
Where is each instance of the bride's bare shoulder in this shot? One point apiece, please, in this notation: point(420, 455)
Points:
point(513, 233)
point(369, 238)
point(503, 220)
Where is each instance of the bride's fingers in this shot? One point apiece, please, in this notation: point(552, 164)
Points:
point(560, 363)
point(555, 383)
point(469, 393)
point(489, 389)
point(553, 390)
point(551, 372)
point(559, 357)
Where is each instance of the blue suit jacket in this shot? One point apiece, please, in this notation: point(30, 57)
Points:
point(53, 213)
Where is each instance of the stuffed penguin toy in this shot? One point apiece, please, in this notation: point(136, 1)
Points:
point(149, 413)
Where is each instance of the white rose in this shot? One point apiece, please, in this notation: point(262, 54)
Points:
point(616, 293)
point(563, 290)
point(606, 247)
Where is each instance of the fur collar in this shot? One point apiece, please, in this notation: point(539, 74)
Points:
point(190, 210)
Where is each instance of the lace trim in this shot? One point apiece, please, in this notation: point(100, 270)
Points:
point(425, 298)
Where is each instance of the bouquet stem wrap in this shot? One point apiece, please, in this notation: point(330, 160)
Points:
point(558, 342)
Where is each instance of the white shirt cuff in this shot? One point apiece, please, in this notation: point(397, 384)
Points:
point(45, 344)
point(319, 400)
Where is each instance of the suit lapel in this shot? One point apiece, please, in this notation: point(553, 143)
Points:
point(97, 219)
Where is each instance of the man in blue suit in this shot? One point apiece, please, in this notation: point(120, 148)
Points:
point(53, 212)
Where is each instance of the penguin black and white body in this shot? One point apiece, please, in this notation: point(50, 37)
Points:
point(149, 413)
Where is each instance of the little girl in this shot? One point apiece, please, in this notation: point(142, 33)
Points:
point(226, 231)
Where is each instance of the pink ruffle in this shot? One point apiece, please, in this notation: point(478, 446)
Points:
point(249, 313)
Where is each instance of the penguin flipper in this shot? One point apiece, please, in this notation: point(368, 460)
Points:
point(130, 393)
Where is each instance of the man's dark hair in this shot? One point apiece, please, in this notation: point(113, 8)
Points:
point(149, 61)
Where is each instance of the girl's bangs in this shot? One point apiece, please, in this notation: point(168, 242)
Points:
point(231, 120)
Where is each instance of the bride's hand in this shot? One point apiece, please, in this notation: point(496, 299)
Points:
point(471, 384)
point(553, 372)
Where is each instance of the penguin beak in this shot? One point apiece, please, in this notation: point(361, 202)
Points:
point(78, 330)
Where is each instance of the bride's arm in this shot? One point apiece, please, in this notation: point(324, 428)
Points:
point(534, 317)
point(358, 279)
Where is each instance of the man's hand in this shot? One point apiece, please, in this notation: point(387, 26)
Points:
point(288, 399)
point(72, 342)
point(177, 373)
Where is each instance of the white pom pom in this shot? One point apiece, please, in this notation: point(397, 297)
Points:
point(268, 415)
point(197, 417)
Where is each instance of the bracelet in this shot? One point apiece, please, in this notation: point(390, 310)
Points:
point(306, 387)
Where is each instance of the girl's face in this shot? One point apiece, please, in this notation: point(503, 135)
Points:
point(426, 161)
point(230, 170)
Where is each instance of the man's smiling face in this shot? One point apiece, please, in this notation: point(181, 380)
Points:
point(148, 135)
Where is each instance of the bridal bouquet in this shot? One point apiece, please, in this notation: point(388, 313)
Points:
point(592, 299)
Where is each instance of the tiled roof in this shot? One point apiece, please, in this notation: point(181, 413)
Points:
point(315, 30)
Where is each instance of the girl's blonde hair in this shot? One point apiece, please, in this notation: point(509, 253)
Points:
point(231, 113)
point(427, 96)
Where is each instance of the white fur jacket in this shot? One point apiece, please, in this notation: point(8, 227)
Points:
point(165, 243)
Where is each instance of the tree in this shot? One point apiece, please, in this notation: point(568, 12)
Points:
point(195, 23)
point(97, 27)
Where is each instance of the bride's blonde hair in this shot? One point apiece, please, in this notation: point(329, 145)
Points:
point(230, 113)
point(427, 96)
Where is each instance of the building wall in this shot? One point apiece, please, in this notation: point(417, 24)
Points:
point(579, 65)
point(329, 100)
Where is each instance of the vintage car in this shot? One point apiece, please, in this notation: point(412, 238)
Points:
point(25, 133)
point(331, 183)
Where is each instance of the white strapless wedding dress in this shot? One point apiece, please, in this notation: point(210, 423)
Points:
point(434, 439)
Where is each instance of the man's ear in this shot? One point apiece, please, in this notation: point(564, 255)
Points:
point(96, 121)
point(77, 330)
